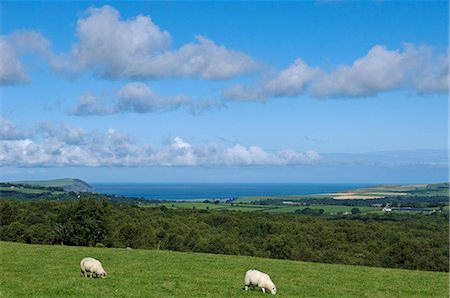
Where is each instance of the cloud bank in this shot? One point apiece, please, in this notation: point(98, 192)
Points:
point(62, 146)
point(52, 145)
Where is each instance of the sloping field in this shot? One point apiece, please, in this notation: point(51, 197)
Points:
point(53, 271)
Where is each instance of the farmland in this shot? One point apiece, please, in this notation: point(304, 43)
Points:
point(247, 207)
point(28, 272)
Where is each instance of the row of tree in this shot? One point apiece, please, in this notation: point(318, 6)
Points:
point(419, 242)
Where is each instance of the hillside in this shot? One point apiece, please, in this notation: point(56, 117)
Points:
point(67, 184)
point(27, 271)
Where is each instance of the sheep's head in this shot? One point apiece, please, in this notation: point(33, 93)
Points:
point(103, 274)
point(273, 290)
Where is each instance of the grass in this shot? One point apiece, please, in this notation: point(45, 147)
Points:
point(329, 209)
point(53, 271)
point(244, 207)
point(48, 183)
point(31, 190)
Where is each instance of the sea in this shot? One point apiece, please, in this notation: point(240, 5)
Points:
point(193, 191)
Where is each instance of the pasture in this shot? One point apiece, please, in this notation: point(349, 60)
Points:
point(246, 207)
point(53, 271)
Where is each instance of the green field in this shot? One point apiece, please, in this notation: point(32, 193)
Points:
point(31, 190)
point(328, 209)
point(68, 184)
point(53, 271)
point(245, 207)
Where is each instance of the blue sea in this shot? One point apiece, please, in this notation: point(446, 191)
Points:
point(190, 191)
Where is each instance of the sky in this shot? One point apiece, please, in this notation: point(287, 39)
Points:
point(210, 91)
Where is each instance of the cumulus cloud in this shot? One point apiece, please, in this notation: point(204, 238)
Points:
point(12, 48)
point(69, 135)
point(9, 130)
point(417, 68)
point(139, 49)
point(292, 81)
point(89, 105)
point(384, 70)
point(137, 97)
point(12, 71)
point(112, 47)
point(202, 59)
point(62, 146)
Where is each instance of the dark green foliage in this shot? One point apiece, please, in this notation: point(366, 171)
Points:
point(84, 223)
point(309, 211)
point(388, 240)
point(39, 233)
point(355, 211)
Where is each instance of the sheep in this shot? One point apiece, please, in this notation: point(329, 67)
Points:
point(92, 266)
point(259, 279)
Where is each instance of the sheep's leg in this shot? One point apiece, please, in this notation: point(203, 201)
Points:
point(263, 290)
point(246, 287)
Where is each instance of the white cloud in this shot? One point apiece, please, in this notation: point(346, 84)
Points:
point(62, 146)
point(382, 70)
point(202, 59)
point(88, 105)
point(417, 68)
point(291, 81)
point(9, 130)
point(137, 97)
point(12, 48)
point(112, 47)
point(139, 49)
point(12, 71)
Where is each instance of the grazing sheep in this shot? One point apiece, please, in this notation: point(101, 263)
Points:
point(259, 279)
point(92, 266)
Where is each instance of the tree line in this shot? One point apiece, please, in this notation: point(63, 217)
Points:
point(395, 241)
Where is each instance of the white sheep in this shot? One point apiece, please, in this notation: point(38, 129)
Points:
point(259, 279)
point(92, 266)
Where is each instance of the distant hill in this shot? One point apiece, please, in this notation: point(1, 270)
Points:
point(67, 184)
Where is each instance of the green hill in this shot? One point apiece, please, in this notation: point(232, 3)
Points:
point(68, 184)
point(53, 271)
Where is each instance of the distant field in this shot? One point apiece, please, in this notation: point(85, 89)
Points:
point(27, 271)
point(373, 192)
point(243, 207)
point(31, 190)
point(330, 209)
point(48, 183)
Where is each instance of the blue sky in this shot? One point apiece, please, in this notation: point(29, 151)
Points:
point(311, 91)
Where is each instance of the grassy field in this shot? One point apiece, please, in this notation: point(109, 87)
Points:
point(68, 184)
point(31, 190)
point(245, 207)
point(53, 271)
